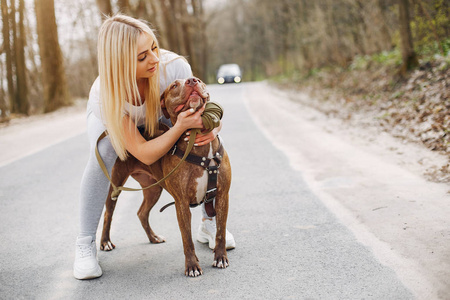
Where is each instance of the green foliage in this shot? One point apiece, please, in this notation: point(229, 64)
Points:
point(430, 27)
point(433, 48)
point(385, 58)
point(390, 58)
point(360, 62)
point(293, 76)
point(313, 72)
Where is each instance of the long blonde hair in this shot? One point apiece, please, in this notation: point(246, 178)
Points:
point(117, 59)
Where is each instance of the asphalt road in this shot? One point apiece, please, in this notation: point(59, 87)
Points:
point(289, 245)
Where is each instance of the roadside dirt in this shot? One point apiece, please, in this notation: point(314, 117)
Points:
point(373, 182)
point(26, 135)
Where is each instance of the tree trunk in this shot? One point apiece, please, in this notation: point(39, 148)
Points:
point(284, 28)
point(186, 29)
point(384, 29)
point(409, 57)
point(200, 30)
point(33, 70)
point(433, 26)
point(152, 15)
point(178, 16)
point(3, 104)
point(141, 11)
point(8, 52)
point(124, 6)
point(105, 8)
point(53, 77)
point(22, 103)
point(170, 25)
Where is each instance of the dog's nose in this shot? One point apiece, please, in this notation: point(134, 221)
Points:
point(191, 81)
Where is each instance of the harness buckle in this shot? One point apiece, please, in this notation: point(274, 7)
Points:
point(210, 191)
point(174, 149)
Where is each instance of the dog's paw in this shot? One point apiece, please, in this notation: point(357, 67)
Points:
point(194, 271)
point(107, 246)
point(221, 262)
point(157, 239)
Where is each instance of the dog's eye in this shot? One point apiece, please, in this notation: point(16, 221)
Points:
point(173, 86)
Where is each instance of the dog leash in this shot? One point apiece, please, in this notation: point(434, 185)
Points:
point(211, 119)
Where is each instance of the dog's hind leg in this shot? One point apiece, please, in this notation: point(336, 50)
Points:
point(119, 177)
point(151, 196)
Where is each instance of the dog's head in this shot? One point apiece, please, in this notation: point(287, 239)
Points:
point(181, 95)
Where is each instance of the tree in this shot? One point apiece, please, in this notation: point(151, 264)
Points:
point(8, 52)
point(171, 25)
point(3, 105)
point(200, 30)
point(178, 28)
point(409, 56)
point(124, 6)
point(53, 77)
point(431, 24)
point(22, 104)
point(105, 7)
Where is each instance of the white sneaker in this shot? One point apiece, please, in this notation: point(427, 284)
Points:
point(207, 234)
point(86, 264)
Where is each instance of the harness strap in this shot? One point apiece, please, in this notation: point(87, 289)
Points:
point(200, 160)
point(211, 190)
point(212, 171)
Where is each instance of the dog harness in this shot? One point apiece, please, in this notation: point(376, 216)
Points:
point(212, 171)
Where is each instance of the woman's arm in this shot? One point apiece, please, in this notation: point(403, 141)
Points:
point(150, 151)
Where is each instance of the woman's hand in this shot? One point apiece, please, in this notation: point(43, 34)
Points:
point(205, 138)
point(190, 119)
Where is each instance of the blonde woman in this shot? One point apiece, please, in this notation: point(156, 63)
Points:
point(132, 74)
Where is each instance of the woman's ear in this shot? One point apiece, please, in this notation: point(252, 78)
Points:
point(163, 106)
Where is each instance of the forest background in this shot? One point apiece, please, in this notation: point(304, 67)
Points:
point(385, 60)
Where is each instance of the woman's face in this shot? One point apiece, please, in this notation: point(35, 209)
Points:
point(147, 57)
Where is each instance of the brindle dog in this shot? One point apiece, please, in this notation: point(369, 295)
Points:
point(187, 185)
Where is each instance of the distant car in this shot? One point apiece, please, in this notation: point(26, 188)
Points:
point(229, 73)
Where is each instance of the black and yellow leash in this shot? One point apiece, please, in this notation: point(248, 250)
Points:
point(211, 119)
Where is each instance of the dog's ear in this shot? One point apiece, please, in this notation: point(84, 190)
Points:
point(163, 106)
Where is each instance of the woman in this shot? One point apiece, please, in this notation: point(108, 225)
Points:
point(124, 97)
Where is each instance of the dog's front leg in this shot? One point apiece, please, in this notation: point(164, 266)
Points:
point(110, 205)
point(220, 252)
point(221, 205)
point(192, 267)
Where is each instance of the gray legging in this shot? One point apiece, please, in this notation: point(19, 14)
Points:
point(94, 184)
